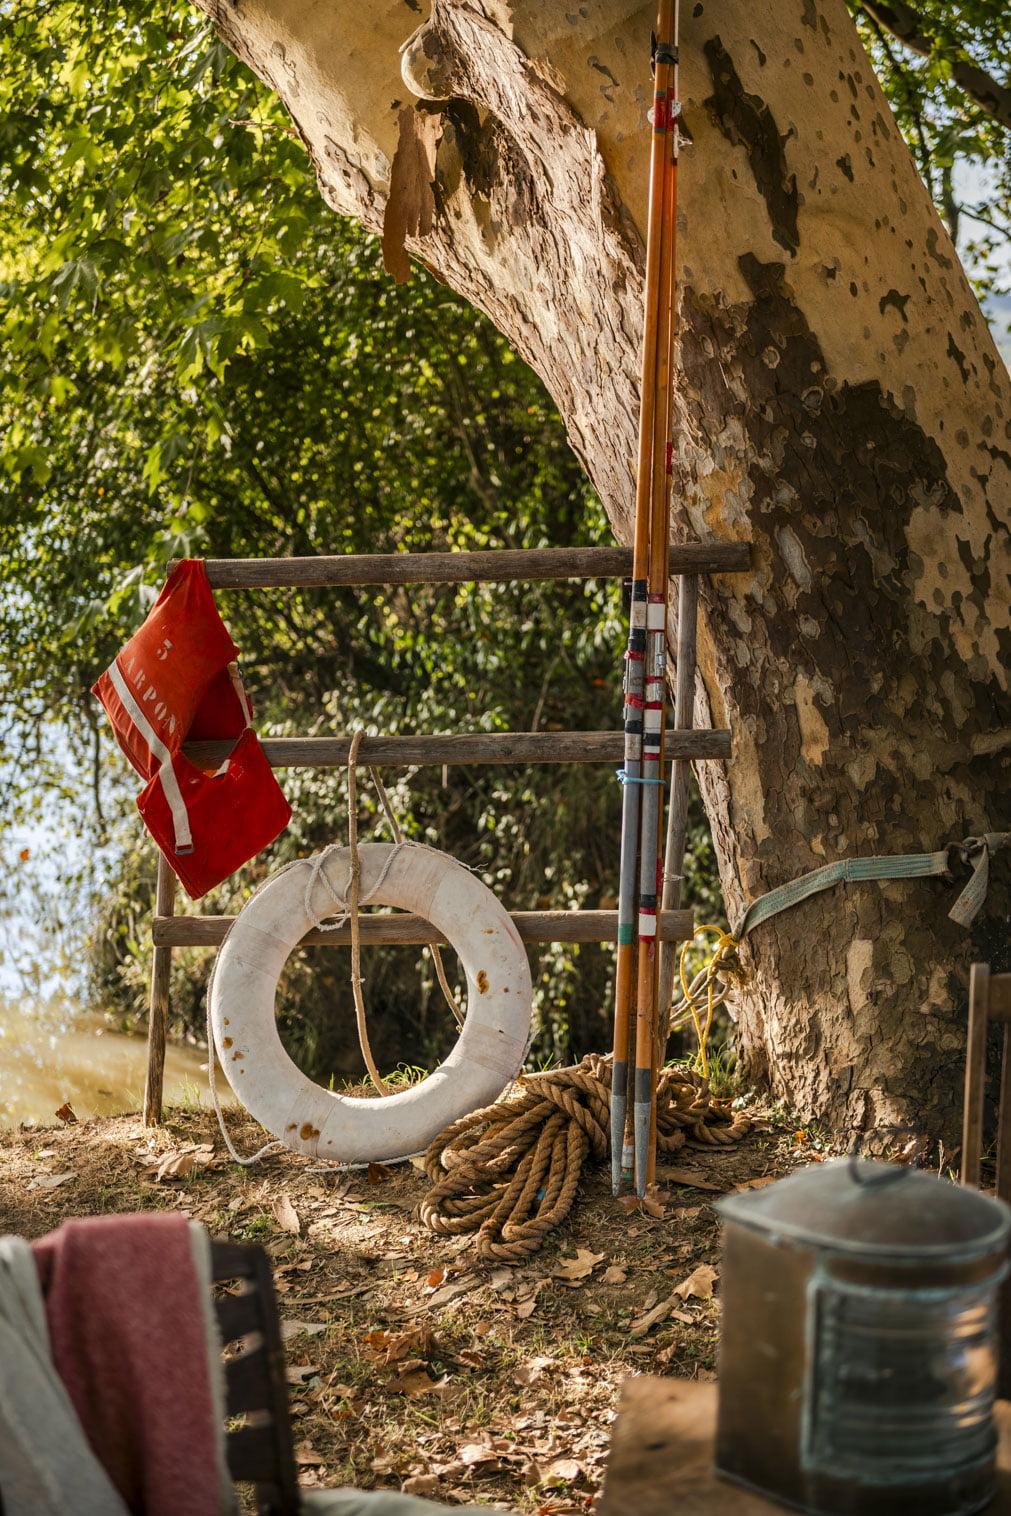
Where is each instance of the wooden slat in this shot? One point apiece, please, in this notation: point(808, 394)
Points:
point(252, 1454)
point(1000, 997)
point(247, 1381)
point(1003, 1184)
point(161, 970)
point(975, 1074)
point(404, 930)
point(237, 1315)
point(494, 566)
point(476, 747)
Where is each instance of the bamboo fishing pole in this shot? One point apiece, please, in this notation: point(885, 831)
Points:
point(625, 975)
point(652, 805)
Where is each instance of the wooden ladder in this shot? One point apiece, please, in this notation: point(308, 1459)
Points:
point(687, 561)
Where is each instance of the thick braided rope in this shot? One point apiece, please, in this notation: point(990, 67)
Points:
point(509, 1173)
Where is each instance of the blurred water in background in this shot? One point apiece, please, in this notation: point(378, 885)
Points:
point(50, 1054)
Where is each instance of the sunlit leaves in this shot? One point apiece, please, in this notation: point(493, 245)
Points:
point(962, 152)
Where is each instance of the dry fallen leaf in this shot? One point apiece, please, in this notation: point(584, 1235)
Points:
point(65, 1113)
point(298, 1373)
point(175, 1166)
point(417, 1342)
point(659, 1313)
point(306, 1453)
point(699, 1283)
point(614, 1275)
point(530, 1372)
point(757, 1184)
point(571, 1270)
point(286, 1215)
point(420, 1484)
point(448, 1292)
point(50, 1181)
point(474, 1453)
point(653, 1205)
point(689, 1177)
point(291, 1329)
point(562, 1471)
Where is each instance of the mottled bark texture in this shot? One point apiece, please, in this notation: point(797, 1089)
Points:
point(842, 406)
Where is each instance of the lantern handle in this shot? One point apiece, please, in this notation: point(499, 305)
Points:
point(888, 1172)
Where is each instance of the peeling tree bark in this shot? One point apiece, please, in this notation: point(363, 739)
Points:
point(842, 406)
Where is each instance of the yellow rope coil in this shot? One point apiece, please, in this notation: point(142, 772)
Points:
point(722, 963)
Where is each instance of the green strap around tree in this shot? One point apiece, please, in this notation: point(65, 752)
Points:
point(975, 852)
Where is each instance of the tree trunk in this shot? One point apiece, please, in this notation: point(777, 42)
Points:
point(841, 405)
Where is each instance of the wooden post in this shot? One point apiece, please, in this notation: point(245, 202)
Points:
point(1003, 1186)
point(157, 1025)
point(677, 816)
point(975, 1073)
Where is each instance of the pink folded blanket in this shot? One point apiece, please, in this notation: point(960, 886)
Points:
point(127, 1328)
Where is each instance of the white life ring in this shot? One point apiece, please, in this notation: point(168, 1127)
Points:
point(491, 1046)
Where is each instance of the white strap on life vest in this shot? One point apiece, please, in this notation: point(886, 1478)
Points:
point(158, 751)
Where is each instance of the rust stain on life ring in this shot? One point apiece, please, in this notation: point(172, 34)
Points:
point(226, 1042)
point(307, 1131)
point(238, 1053)
point(482, 981)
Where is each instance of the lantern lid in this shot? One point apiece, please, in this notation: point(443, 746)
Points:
point(883, 1209)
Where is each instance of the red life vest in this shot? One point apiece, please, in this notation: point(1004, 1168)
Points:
point(176, 681)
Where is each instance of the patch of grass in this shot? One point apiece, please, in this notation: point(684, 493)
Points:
point(257, 1229)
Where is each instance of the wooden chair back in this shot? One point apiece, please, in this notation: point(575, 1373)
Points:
point(989, 1000)
point(260, 1451)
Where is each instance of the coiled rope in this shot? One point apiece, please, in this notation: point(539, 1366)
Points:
point(510, 1172)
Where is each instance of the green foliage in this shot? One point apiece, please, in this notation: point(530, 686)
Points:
point(202, 360)
point(210, 363)
point(961, 150)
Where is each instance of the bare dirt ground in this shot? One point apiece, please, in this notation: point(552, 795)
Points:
point(409, 1365)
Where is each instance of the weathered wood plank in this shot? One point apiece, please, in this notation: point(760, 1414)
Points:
point(1000, 997)
point(494, 566)
point(476, 747)
point(662, 1456)
point(975, 1074)
point(157, 1024)
point(404, 930)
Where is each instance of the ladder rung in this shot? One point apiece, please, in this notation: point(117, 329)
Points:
point(496, 565)
point(476, 747)
point(404, 930)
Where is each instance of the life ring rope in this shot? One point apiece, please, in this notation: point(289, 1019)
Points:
point(348, 900)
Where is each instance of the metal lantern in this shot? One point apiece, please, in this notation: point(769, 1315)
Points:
point(858, 1356)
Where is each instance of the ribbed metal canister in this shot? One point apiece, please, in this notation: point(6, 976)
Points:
point(858, 1356)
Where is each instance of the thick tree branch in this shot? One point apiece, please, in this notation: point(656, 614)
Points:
point(903, 22)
